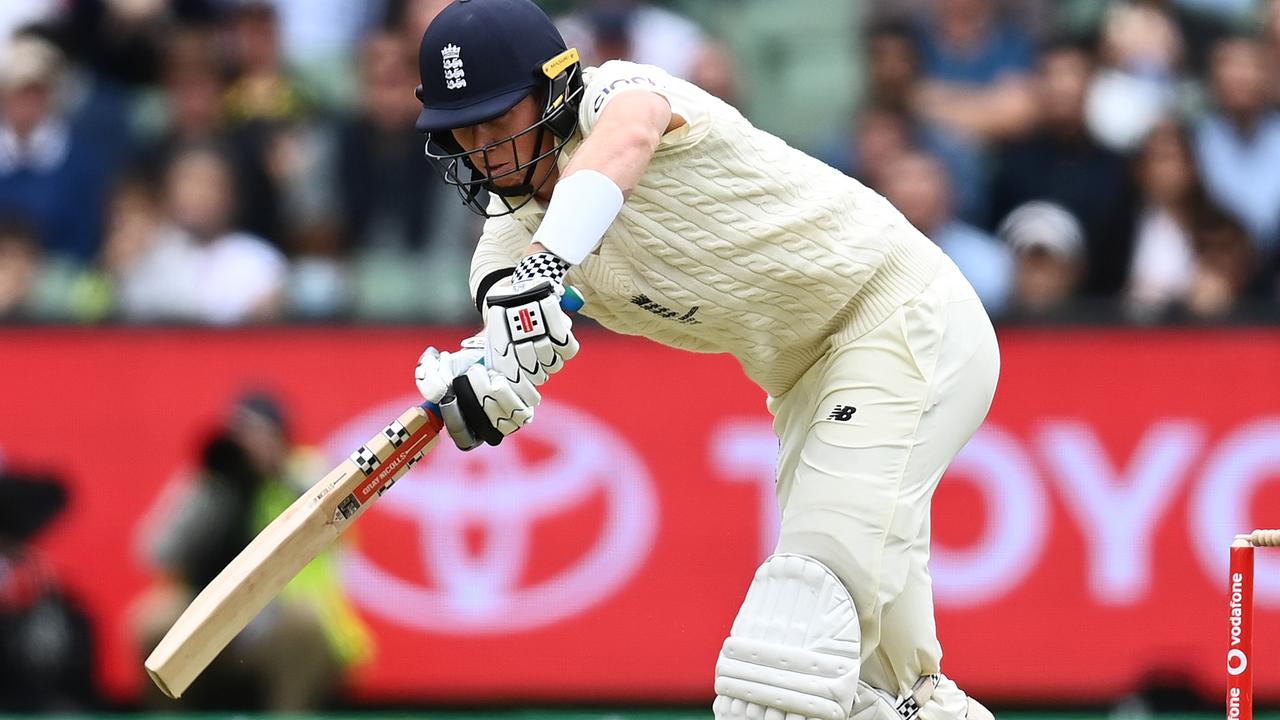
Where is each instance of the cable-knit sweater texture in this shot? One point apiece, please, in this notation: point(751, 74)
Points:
point(734, 242)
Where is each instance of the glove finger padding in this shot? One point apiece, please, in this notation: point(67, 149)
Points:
point(427, 375)
point(506, 410)
point(436, 370)
point(560, 332)
point(491, 406)
point(528, 334)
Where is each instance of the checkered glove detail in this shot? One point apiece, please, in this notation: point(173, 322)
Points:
point(537, 267)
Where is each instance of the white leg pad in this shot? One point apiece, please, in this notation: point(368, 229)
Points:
point(874, 704)
point(978, 711)
point(794, 649)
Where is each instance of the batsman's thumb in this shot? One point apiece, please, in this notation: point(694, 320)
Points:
point(432, 376)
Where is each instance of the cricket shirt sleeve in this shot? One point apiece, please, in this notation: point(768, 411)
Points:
point(618, 77)
point(501, 244)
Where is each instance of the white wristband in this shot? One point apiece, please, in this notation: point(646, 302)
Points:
point(582, 207)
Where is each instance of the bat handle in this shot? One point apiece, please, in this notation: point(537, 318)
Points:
point(571, 302)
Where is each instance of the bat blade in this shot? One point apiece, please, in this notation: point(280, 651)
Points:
point(283, 548)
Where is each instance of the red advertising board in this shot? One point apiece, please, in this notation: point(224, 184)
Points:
point(1080, 540)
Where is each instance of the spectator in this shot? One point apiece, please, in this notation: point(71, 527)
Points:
point(1231, 9)
point(191, 264)
point(634, 30)
point(263, 88)
point(714, 70)
point(917, 185)
point(1196, 30)
point(1063, 164)
point(292, 657)
point(1175, 207)
point(894, 70)
point(1141, 52)
point(402, 223)
point(319, 40)
point(192, 87)
point(1049, 260)
point(96, 107)
point(390, 193)
point(48, 171)
point(16, 14)
point(1270, 16)
point(411, 17)
point(977, 68)
point(880, 137)
point(134, 226)
point(893, 65)
point(1037, 16)
point(1224, 268)
point(268, 109)
point(46, 641)
point(19, 268)
point(1238, 146)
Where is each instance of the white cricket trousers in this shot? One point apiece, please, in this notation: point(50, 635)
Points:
point(855, 493)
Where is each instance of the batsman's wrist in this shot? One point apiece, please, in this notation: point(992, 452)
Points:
point(582, 208)
point(487, 282)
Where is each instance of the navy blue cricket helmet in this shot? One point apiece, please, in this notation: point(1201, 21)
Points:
point(478, 60)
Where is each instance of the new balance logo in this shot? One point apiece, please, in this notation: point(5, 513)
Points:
point(842, 413)
point(665, 312)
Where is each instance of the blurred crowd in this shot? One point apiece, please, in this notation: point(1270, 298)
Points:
point(233, 161)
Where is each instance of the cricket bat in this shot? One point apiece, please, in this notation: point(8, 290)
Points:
point(284, 547)
point(295, 538)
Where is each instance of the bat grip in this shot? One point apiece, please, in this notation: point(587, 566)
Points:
point(571, 302)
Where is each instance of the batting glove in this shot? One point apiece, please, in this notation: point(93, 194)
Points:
point(436, 370)
point(476, 404)
point(486, 407)
point(529, 336)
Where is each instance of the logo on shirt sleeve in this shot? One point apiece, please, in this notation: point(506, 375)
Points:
point(640, 80)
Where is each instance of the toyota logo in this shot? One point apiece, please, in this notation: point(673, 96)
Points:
point(562, 465)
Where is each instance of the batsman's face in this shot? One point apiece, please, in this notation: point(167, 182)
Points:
point(499, 147)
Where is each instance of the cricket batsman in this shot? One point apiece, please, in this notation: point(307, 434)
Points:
point(677, 220)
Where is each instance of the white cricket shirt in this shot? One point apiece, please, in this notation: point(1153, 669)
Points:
point(732, 242)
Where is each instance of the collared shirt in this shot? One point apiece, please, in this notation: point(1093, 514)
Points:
point(1242, 172)
point(221, 281)
point(44, 150)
